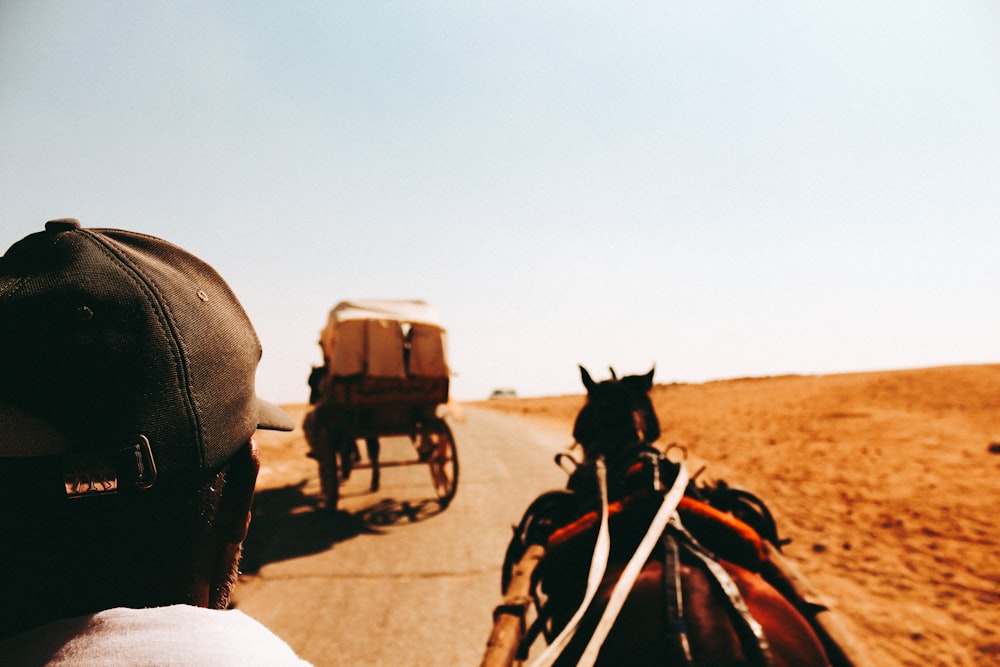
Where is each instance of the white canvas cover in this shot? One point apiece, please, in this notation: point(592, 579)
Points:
point(369, 336)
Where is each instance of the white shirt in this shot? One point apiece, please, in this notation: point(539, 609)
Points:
point(179, 635)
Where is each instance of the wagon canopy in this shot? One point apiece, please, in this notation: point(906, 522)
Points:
point(392, 338)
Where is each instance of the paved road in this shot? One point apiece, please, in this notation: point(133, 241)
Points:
point(370, 586)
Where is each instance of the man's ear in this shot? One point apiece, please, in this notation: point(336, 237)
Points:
point(236, 503)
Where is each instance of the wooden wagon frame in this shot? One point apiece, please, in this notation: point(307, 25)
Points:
point(384, 374)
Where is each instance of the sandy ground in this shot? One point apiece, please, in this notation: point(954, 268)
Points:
point(884, 481)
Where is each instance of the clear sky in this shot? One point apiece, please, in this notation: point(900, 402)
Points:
point(723, 189)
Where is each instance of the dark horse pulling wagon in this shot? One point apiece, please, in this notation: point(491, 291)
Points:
point(384, 374)
point(634, 563)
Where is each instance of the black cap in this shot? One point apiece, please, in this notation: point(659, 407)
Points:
point(122, 349)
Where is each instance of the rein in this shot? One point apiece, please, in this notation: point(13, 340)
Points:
point(667, 529)
point(668, 508)
point(598, 566)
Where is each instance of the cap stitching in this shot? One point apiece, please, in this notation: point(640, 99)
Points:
point(14, 286)
point(165, 316)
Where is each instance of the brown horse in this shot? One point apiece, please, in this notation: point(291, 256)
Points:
point(333, 448)
point(705, 587)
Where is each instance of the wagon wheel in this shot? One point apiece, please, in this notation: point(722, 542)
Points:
point(437, 447)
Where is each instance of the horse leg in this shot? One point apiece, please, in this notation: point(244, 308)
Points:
point(322, 449)
point(373, 453)
point(345, 448)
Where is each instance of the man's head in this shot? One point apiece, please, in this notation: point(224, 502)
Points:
point(127, 409)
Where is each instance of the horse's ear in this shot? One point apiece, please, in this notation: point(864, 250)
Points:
point(648, 378)
point(614, 376)
point(588, 382)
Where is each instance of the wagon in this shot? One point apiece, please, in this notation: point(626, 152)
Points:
point(384, 374)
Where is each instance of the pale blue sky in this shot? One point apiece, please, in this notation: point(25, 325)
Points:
point(720, 188)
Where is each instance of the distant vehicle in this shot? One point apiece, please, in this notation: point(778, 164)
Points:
point(503, 393)
point(384, 374)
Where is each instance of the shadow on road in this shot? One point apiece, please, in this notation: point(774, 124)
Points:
point(287, 523)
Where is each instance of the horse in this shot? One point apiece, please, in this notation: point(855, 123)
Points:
point(330, 444)
point(692, 576)
point(618, 413)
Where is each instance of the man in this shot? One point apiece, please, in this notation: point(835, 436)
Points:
point(127, 464)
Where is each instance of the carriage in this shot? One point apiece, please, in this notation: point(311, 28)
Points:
point(384, 374)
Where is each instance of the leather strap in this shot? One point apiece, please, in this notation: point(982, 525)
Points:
point(668, 508)
point(678, 647)
point(729, 588)
point(598, 566)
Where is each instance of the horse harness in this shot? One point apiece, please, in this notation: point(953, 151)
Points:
point(674, 539)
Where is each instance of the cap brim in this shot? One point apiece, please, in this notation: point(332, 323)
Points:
point(273, 418)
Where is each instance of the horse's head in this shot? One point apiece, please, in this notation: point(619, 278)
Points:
point(316, 376)
point(617, 415)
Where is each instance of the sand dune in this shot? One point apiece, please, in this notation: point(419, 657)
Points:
point(884, 481)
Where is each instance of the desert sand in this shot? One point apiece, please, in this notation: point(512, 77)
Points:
point(887, 483)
